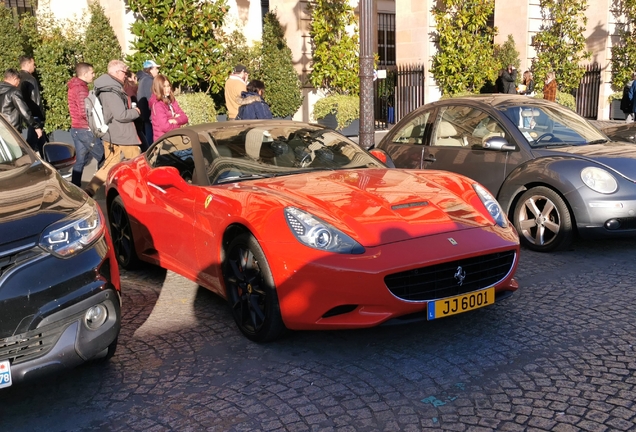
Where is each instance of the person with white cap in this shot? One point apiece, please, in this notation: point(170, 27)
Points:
point(234, 86)
point(144, 93)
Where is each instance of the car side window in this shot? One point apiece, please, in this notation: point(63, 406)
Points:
point(463, 126)
point(11, 153)
point(175, 151)
point(413, 131)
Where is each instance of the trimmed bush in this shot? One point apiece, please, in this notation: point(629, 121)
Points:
point(182, 37)
point(335, 65)
point(346, 108)
point(199, 107)
point(100, 42)
point(565, 99)
point(282, 85)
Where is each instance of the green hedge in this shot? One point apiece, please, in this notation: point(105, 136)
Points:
point(565, 99)
point(199, 107)
point(346, 108)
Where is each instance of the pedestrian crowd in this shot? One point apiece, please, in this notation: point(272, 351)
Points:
point(137, 108)
point(507, 83)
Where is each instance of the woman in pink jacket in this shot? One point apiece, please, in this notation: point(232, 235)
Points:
point(166, 114)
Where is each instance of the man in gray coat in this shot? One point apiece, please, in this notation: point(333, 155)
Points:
point(121, 141)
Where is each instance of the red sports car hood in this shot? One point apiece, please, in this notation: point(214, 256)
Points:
point(619, 156)
point(378, 206)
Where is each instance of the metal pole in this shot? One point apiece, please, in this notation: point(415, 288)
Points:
point(366, 74)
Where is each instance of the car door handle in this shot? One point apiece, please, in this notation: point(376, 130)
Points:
point(430, 158)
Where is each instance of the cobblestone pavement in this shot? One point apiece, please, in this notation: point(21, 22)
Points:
point(556, 356)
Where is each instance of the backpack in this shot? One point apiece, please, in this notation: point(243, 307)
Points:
point(95, 115)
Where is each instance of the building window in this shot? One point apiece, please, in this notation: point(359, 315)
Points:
point(386, 39)
point(264, 9)
point(20, 6)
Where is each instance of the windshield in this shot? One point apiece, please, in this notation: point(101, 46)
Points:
point(235, 153)
point(12, 152)
point(553, 125)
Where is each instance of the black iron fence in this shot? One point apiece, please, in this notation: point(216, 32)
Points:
point(588, 92)
point(398, 94)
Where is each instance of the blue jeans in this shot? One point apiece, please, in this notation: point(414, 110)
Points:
point(87, 146)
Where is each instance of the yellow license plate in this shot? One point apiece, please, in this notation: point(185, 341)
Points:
point(462, 303)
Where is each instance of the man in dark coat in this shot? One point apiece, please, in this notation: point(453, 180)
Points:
point(13, 107)
point(509, 79)
point(626, 102)
point(252, 106)
point(144, 93)
point(30, 89)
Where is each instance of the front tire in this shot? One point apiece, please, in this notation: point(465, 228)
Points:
point(543, 220)
point(250, 290)
point(121, 233)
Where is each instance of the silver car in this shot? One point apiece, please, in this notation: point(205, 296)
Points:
point(554, 174)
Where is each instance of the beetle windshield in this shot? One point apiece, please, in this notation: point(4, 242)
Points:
point(545, 126)
point(246, 152)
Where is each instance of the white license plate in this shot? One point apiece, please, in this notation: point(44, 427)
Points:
point(5, 374)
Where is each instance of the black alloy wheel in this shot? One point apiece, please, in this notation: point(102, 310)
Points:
point(250, 290)
point(543, 220)
point(121, 233)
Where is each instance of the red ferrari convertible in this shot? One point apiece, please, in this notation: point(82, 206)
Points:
point(299, 228)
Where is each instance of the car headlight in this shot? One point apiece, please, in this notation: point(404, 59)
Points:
point(318, 234)
point(599, 180)
point(75, 232)
point(491, 205)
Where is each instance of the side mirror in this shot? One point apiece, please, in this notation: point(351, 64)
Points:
point(383, 157)
point(167, 177)
point(498, 143)
point(60, 155)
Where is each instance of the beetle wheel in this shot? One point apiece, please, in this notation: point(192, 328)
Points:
point(543, 220)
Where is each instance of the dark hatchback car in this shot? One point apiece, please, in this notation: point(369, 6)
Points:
point(59, 281)
point(553, 173)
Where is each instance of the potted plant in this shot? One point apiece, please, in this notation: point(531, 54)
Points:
point(615, 106)
point(340, 112)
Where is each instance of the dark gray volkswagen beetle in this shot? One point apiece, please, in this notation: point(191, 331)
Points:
point(554, 174)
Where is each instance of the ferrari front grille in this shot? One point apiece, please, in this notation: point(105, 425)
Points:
point(451, 278)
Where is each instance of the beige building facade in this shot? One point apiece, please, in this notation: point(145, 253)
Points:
point(520, 18)
point(412, 25)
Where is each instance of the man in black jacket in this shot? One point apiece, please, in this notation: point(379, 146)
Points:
point(12, 105)
point(31, 94)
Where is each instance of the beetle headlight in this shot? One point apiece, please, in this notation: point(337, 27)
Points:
point(75, 232)
point(318, 234)
point(599, 180)
point(491, 205)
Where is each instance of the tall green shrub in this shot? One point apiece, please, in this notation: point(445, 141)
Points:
point(464, 58)
point(100, 42)
point(181, 36)
point(507, 54)
point(283, 89)
point(10, 51)
point(55, 57)
point(335, 66)
point(624, 50)
point(560, 44)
